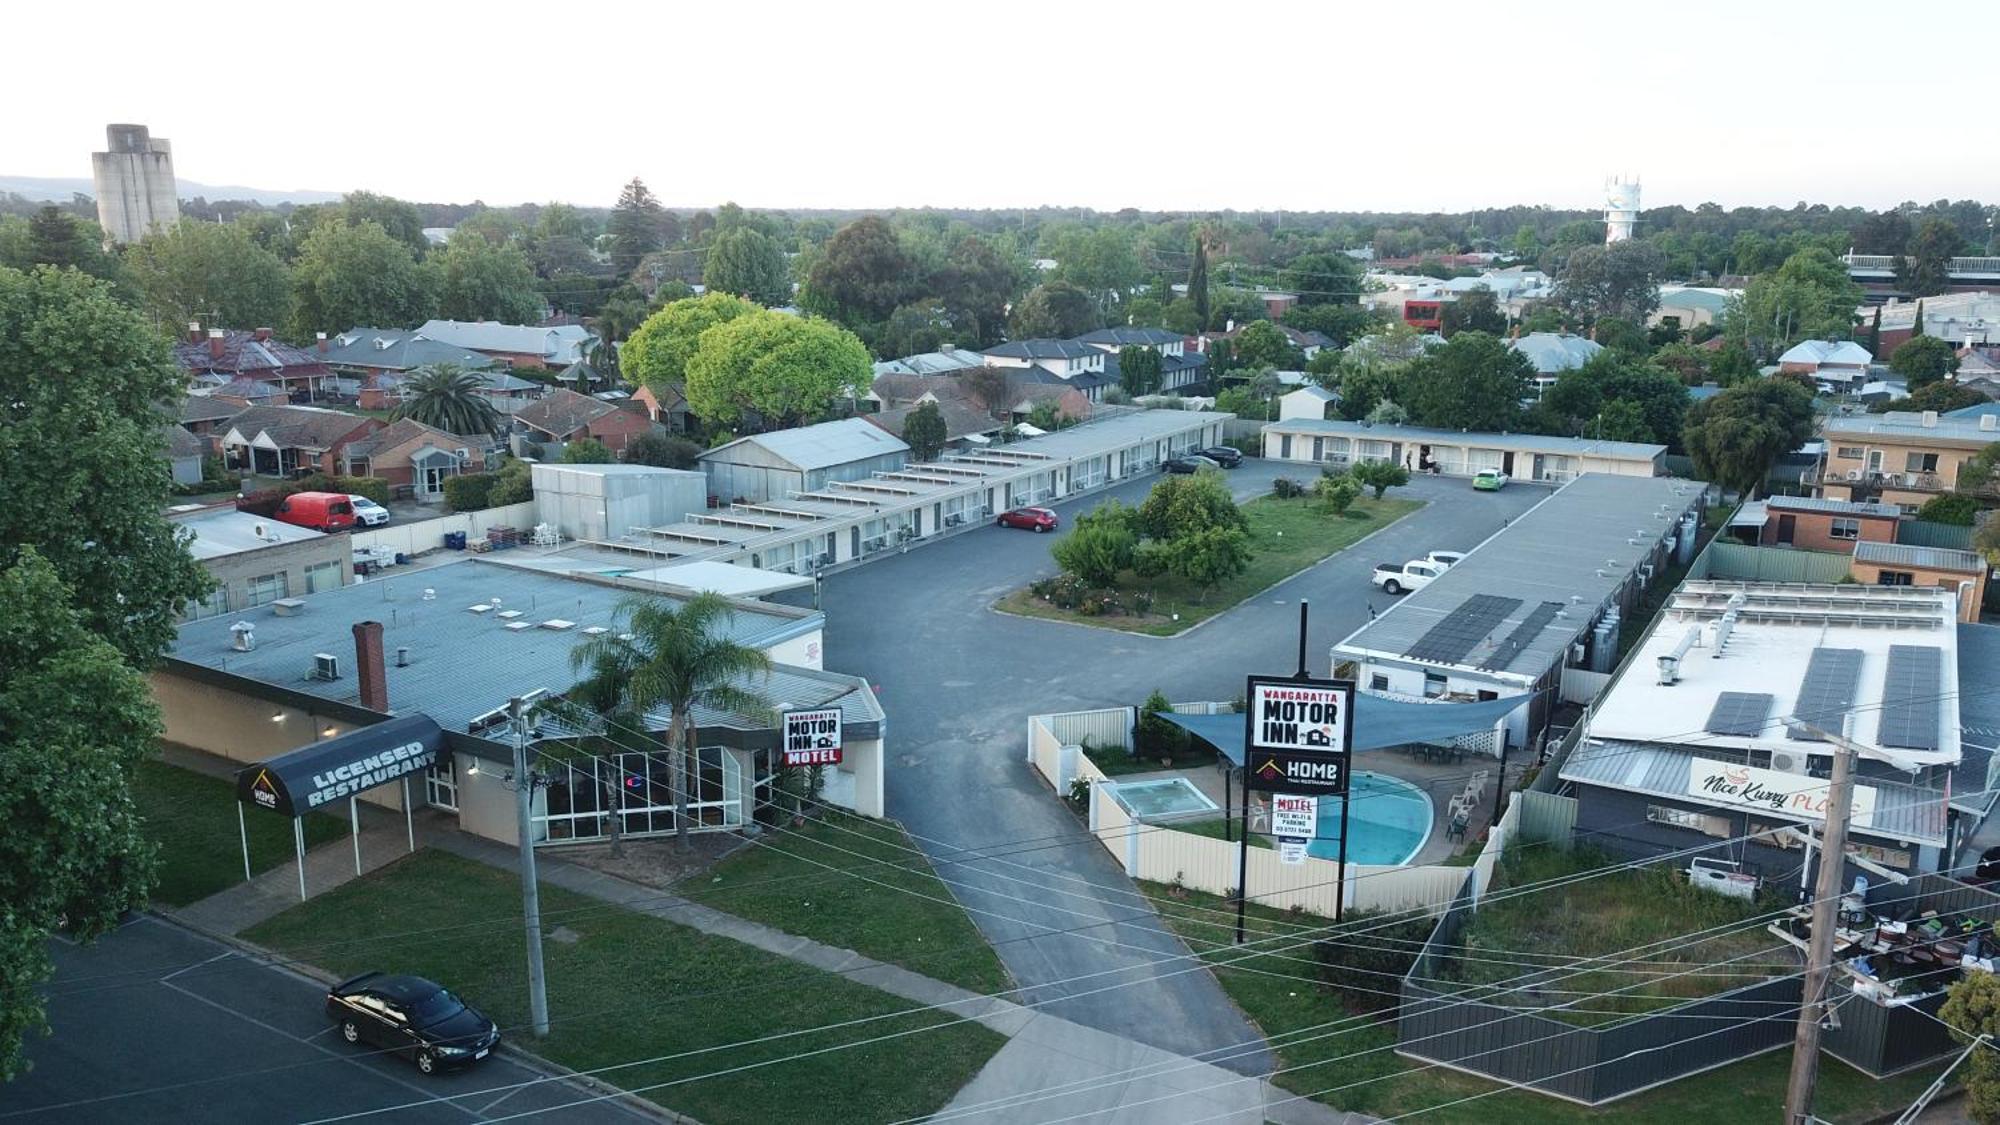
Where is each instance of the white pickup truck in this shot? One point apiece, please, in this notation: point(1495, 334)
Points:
point(1412, 575)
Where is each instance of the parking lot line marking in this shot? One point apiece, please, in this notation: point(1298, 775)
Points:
point(190, 968)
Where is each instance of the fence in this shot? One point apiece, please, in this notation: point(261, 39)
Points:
point(1581, 685)
point(1742, 562)
point(1925, 533)
point(428, 535)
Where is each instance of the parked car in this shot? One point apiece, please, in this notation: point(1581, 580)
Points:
point(1412, 575)
point(367, 512)
point(1445, 558)
point(1036, 520)
point(411, 1016)
point(1188, 463)
point(1227, 456)
point(321, 511)
point(1489, 480)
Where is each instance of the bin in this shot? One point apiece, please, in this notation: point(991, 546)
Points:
point(454, 540)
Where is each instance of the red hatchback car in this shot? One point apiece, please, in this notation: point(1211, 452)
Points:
point(1034, 519)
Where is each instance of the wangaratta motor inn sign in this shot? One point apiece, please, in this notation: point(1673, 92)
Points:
point(338, 768)
point(1298, 734)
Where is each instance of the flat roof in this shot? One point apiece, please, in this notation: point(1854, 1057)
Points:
point(825, 445)
point(1532, 443)
point(1557, 564)
point(229, 532)
point(1837, 507)
point(1909, 425)
point(462, 662)
point(1905, 554)
point(1770, 645)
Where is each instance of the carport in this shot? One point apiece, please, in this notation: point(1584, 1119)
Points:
point(320, 773)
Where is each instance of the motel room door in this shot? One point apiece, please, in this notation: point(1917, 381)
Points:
point(1788, 527)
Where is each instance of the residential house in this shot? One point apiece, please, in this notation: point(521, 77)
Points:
point(1958, 318)
point(1813, 523)
point(776, 465)
point(668, 408)
point(362, 352)
point(184, 453)
point(563, 416)
point(1902, 564)
point(1179, 369)
point(1688, 308)
point(417, 459)
point(256, 560)
point(1308, 343)
point(205, 416)
point(1335, 443)
point(1552, 353)
point(1904, 457)
point(1841, 363)
point(292, 441)
point(943, 361)
point(1311, 402)
point(235, 354)
point(1071, 362)
point(520, 345)
point(1068, 402)
point(964, 422)
point(241, 392)
point(582, 377)
point(892, 389)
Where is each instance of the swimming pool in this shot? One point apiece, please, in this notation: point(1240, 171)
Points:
point(1389, 817)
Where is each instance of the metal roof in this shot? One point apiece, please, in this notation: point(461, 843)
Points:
point(1909, 425)
point(1523, 443)
point(230, 532)
point(1043, 349)
point(1128, 335)
point(462, 662)
point(1903, 554)
point(823, 446)
point(562, 344)
point(1576, 548)
point(1837, 507)
point(1827, 351)
point(397, 349)
point(1551, 352)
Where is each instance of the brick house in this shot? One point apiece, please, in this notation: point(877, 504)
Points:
point(1813, 524)
point(235, 354)
point(1904, 457)
point(563, 416)
point(668, 408)
point(293, 441)
point(207, 418)
point(410, 455)
point(555, 346)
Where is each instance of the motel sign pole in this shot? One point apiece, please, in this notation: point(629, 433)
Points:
point(1243, 835)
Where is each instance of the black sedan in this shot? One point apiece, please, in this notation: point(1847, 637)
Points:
point(1190, 463)
point(1227, 456)
point(411, 1016)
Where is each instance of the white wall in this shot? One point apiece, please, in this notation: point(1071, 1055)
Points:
point(807, 651)
point(428, 535)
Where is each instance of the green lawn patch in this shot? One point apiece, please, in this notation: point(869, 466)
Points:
point(1286, 536)
point(625, 986)
point(1116, 761)
point(1280, 995)
point(192, 818)
point(783, 881)
point(1213, 829)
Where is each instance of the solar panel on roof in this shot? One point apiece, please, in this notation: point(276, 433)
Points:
point(1523, 635)
point(1744, 714)
point(1448, 641)
point(1910, 694)
point(1827, 692)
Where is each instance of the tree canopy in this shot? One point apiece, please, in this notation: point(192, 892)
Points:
point(1616, 397)
point(924, 432)
point(861, 275)
point(479, 280)
point(658, 351)
point(785, 368)
point(349, 276)
point(1739, 434)
point(448, 397)
point(1809, 297)
point(1139, 369)
point(213, 273)
point(1620, 280)
point(1474, 382)
point(744, 261)
point(1054, 310)
point(1923, 360)
point(637, 227)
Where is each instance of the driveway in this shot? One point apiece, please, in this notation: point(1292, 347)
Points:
point(958, 682)
point(155, 1023)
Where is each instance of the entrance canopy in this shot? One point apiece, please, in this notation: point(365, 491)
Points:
point(1379, 723)
point(323, 772)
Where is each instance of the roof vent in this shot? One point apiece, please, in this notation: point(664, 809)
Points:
point(517, 626)
point(326, 666)
point(1989, 422)
point(1670, 663)
point(1929, 419)
point(430, 593)
point(482, 607)
point(558, 624)
point(243, 636)
point(508, 614)
point(402, 656)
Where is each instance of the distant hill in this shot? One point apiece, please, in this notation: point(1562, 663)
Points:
point(60, 188)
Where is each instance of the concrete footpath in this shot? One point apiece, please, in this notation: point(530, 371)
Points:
point(1050, 1068)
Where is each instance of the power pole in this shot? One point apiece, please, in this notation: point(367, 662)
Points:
point(531, 895)
point(1819, 951)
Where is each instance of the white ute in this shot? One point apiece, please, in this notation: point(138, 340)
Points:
point(1412, 575)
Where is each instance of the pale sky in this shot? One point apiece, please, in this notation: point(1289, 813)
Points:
point(1420, 106)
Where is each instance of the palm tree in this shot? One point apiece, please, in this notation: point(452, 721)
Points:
point(448, 397)
point(672, 656)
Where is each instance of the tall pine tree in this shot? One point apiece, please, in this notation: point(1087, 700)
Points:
point(1917, 324)
point(1198, 280)
point(636, 227)
point(1875, 334)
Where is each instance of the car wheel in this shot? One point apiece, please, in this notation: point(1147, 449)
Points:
point(1392, 586)
point(349, 1031)
point(425, 1063)
point(1039, 529)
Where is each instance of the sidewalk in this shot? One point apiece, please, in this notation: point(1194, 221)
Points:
point(1050, 1067)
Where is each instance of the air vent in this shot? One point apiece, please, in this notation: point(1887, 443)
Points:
point(326, 666)
point(558, 624)
point(517, 626)
point(594, 630)
point(508, 614)
point(482, 607)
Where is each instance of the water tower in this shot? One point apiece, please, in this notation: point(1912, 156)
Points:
point(1621, 209)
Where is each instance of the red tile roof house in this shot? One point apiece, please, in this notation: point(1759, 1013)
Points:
point(410, 455)
point(293, 441)
point(563, 416)
point(669, 409)
point(237, 354)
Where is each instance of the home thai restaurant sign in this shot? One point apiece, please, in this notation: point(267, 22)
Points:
point(812, 738)
point(1770, 791)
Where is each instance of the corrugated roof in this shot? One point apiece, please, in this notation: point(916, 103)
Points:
point(1043, 349)
point(1839, 507)
point(1551, 352)
point(1533, 443)
point(1903, 554)
point(822, 446)
point(1908, 425)
point(1129, 335)
point(1827, 351)
point(560, 345)
point(397, 349)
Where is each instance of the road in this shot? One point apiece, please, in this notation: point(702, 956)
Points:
point(155, 1023)
point(958, 682)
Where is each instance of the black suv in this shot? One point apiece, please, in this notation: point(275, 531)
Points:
point(411, 1016)
point(1227, 456)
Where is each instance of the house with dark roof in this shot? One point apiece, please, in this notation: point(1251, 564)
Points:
point(1070, 362)
point(410, 455)
point(256, 354)
point(563, 416)
point(293, 441)
point(667, 407)
point(243, 391)
point(184, 453)
point(204, 417)
point(1179, 367)
point(361, 352)
point(964, 422)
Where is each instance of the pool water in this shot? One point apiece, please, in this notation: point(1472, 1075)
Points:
point(1390, 820)
point(1164, 798)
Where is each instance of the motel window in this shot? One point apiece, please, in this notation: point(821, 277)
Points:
point(1848, 453)
point(1920, 463)
point(1378, 681)
point(1895, 578)
point(266, 588)
point(1704, 823)
point(1434, 685)
point(1845, 529)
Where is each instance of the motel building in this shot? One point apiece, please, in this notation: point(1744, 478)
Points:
point(394, 693)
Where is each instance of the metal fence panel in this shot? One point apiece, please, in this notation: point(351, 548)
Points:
point(1924, 533)
point(1545, 816)
point(1741, 562)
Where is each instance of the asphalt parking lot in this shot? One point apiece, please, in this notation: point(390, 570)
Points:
point(155, 1023)
point(959, 681)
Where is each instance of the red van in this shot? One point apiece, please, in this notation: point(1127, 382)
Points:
point(321, 511)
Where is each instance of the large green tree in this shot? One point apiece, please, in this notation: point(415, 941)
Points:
point(1618, 397)
point(1739, 434)
point(479, 280)
point(924, 432)
point(658, 351)
point(745, 261)
point(399, 218)
point(1809, 297)
point(1322, 279)
point(1197, 282)
point(1923, 360)
point(1182, 505)
point(1139, 370)
point(976, 283)
point(1620, 280)
point(785, 368)
point(1474, 382)
point(861, 276)
point(56, 238)
point(75, 720)
point(637, 227)
point(214, 273)
point(1926, 269)
point(349, 276)
point(1476, 310)
point(920, 326)
point(448, 397)
point(85, 386)
point(1263, 344)
point(1054, 310)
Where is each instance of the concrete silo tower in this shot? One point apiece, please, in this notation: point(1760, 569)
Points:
point(135, 184)
point(1621, 209)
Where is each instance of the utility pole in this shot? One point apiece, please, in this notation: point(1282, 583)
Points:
point(531, 895)
point(1825, 911)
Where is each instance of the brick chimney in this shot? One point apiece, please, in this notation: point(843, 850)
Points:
point(320, 339)
point(215, 343)
point(194, 332)
point(368, 668)
point(261, 335)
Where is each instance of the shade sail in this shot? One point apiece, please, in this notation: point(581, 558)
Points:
point(298, 782)
point(1379, 723)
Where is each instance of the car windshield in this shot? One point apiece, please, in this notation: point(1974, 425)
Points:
point(435, 1007)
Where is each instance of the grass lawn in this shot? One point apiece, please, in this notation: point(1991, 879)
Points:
point(624, 986)
point(1213, 829)
point(1606, 915)
point(192, 817)
point(1286, 536)
point(784, 881)
point(1115, 761)
point(1751, 1092)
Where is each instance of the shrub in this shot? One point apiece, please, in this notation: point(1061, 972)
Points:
point(1154, 737)
point(1285, 488)
point(470, 492)
point(1079, 794)
point(1095, 553)
point(511, 485)
point(374, 488)
point(1335, 494)
point(1954, 508)
point(1357, 970)
point(586, 451)
point(1380, 476)
point(662, 451)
